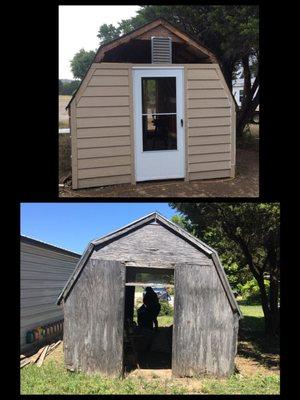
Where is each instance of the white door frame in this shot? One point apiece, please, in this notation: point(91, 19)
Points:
point(173, 160)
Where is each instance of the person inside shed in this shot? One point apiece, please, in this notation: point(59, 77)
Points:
point(147, 314)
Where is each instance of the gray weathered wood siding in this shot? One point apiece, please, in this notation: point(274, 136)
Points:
point(94, 318)
point(205, 321)
point(210, 115)
point(102, 127)
point(151, 244)
point(205, 329)
point(44, 273)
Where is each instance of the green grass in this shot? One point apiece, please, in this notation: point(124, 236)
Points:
point(53, 378)
point(253, 318)
point(238, 384)
point(165, 320)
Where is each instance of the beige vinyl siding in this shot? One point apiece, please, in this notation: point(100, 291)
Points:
point(209, 114)
point(43, 274)
point(103, 127)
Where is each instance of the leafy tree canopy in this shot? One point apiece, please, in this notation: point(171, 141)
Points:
point(246, 235)
point(81, 62)
point(231, 32)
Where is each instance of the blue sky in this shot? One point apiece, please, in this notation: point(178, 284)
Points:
point(73, 225)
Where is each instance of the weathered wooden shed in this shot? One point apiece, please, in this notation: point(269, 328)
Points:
point(100, 293)
point(153, 105)
point(44, 271)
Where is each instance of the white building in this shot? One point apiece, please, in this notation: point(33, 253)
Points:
point(45, 270)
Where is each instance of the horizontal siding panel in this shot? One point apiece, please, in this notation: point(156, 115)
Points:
point(198, 158)
point(37, 301)
point(40, 319)
point(202, 74)
point(46, 262)
point(210, 174)
point(216, 148)
point(111, 72)
point(208, 112)
point(41, 309)
point(209, 130)
point(106, 91)
point(41, 284)
point(42, 275)
point(102, 101)
point(207, 103)
point(210, 166)
point(105, 131)
point(213, 121)
point(103, 111)
point(39, 292)
point(104, 152)
point(112, 180)
point(108, 81)
point(45, 252)
point(202, 84)
point(102, 121)
point(200, 140)
point(207, 94)
point(103, 172)
point(103, 142)
point(104, 162)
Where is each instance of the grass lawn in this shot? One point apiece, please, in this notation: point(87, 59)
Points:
point(254, 376)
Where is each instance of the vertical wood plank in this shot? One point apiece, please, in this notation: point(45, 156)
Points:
point(94, 313)
point(204, 331)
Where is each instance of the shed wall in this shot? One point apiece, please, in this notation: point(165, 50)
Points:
point(210, 114)
point(44, 273)
point(205, 329)
point(151, 244)
point(102, 125)
point(94, 317)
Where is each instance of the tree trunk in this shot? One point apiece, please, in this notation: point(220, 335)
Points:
point(250, 102)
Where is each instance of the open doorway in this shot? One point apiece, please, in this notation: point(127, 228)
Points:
point(148, 347)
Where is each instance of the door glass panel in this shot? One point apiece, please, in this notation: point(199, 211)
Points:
point(159, 95)
point(159, 132)
point(159, 113)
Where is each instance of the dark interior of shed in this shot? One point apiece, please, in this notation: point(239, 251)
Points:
point(146, 348)
point(139, 51)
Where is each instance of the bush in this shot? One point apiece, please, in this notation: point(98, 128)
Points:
point(166, 309)
point(68, 88)
point(250, 291)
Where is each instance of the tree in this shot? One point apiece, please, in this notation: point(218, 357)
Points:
point(248, 234)
point(81, 62)
point(231, 32)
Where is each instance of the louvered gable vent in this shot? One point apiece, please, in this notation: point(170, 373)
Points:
point(161, 50)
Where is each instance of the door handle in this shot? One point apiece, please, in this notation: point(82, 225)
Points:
point(181, 122)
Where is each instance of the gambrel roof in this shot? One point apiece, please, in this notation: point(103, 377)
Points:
point(147, 30)
point(175, 229)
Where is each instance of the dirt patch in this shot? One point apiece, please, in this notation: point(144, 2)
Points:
point(56, 355)
point(249, 367)
point(245, 184)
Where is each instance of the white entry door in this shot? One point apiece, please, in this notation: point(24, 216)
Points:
point(158, 123)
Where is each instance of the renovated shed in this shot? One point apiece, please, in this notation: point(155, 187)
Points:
point(99, 296)
point(153, 105)
point(45, 269)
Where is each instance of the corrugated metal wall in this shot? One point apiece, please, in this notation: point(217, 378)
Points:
point(44, 273)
